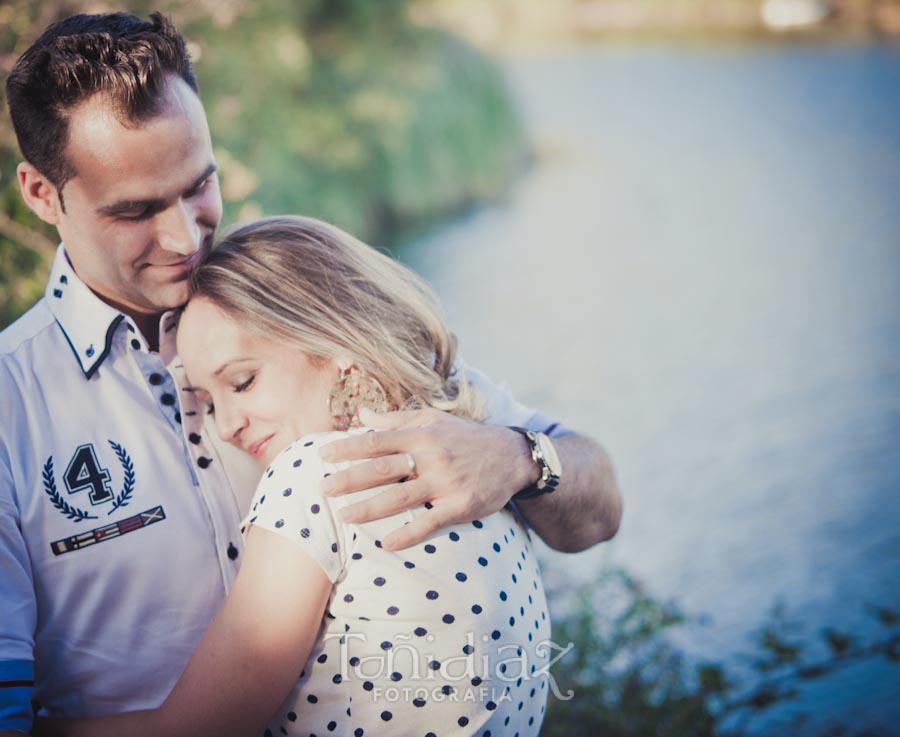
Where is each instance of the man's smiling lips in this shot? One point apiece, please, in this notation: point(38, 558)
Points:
point(185, 264)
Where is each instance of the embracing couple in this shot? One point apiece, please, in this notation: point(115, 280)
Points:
point(284, 508)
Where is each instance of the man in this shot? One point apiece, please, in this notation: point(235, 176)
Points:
point(119, 507)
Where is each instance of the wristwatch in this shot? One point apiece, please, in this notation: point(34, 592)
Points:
point(544, 454)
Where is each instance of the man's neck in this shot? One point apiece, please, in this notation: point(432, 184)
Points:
point(146, 323)
point(149, 327)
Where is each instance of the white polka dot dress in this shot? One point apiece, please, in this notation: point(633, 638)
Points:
point(443, 638)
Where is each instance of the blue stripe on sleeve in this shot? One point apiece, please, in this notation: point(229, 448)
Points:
point(541, 423)
point(16, 688)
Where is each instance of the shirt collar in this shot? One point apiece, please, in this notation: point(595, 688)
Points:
point(88, 323)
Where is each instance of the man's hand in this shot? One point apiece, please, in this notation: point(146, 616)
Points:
point(464, 470)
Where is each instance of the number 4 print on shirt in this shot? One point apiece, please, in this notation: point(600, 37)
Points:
point(85, 473)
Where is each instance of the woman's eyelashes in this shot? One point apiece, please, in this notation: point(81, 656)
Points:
point(245, 384)
point(236, 388)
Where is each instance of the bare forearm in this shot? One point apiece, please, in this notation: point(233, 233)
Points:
point(586, 508)
point(247, 661)
point(134, 724)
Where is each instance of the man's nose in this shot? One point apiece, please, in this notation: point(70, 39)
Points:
point(179, 231)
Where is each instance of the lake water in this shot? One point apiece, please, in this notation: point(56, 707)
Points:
point(702, 270)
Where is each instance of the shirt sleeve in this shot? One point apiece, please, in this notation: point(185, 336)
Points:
point(18, 622)
point(503, 408)
point(289, 502)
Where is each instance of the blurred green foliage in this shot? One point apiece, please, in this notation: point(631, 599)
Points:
point(340, 109)
point(625, 675)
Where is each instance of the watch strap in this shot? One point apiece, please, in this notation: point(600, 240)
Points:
point(548, 480)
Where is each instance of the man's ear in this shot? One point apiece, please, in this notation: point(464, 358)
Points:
point(39, 193)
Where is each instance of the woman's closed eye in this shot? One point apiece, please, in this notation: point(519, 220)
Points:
point(245, 384)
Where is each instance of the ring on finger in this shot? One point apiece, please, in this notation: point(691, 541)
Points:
point(411, 464)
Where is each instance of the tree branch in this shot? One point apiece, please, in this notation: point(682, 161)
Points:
point(30, 239)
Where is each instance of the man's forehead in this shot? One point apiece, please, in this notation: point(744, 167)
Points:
point(167, 150)
point(175, 98)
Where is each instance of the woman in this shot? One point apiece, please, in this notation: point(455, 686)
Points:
point(441, 638)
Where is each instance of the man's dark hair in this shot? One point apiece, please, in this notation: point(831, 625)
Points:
point(116, 54)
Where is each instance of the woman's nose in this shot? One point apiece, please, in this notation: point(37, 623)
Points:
point(229, 424)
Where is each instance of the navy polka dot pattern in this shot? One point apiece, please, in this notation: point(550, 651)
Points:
point(440, 638)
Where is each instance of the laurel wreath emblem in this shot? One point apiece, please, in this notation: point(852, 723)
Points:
point(73, 513)
point(76, 514)
point(128, 467)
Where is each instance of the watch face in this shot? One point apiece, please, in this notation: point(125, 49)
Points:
point(549, 454)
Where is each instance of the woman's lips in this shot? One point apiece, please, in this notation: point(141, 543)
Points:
point(256, 448)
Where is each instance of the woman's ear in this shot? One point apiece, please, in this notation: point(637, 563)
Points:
point(344, 363)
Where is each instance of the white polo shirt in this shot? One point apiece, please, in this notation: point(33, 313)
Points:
point(119, 508)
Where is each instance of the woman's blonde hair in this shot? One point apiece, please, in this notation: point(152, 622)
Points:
point(308, 284)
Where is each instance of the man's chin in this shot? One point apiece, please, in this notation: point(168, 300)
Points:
point(171, 297)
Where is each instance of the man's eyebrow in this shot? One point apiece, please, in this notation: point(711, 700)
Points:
point(116, 208)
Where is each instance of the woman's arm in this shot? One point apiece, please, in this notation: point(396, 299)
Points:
point(246, 663)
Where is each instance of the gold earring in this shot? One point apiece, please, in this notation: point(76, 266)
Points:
point(355, 389)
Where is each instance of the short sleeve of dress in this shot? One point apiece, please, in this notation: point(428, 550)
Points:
point(289, 502)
